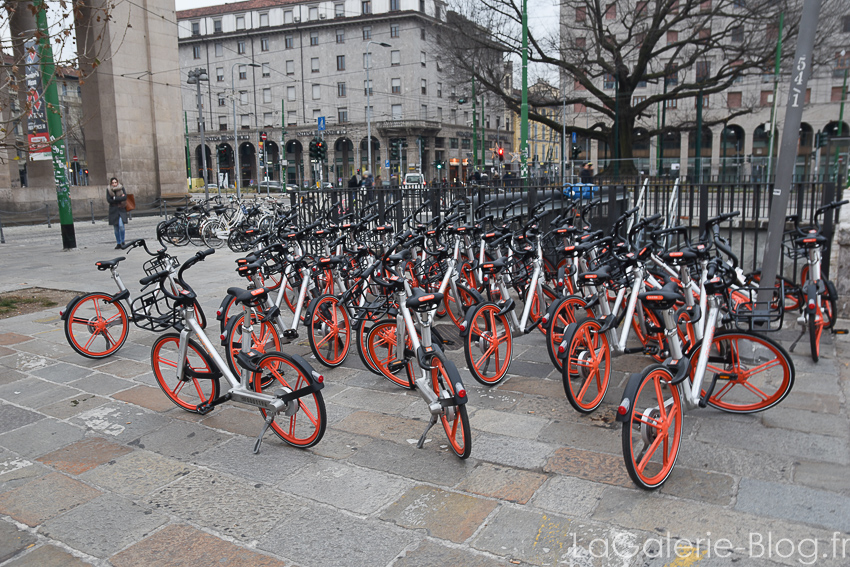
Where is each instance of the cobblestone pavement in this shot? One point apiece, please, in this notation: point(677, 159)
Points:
point(98, 467)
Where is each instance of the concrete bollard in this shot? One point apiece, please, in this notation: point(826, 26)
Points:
point(47, 211)
point(2, 238)
point(91, 204)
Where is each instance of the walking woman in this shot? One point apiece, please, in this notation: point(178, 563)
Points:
point(117, 197)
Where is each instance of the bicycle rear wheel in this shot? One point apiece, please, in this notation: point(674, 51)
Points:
point(264, 338)
point(197, 386)
point(96, 326)
point(382, 343)
point(754, 372)
point(329, 331)
point(304, 421)
point(586, 371)
point(456, 305)
point(209, 233)
point(488, 345)
point(564, 313)
point(455, 419)
point(653, 432)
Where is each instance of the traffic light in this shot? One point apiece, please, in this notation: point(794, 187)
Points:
point(438, 165)
point(576, 152)
point(314, 149)
point(222, 152)
point(501, 152)
point(821, 139)
point(321, 150)
point(461, 101)
point(394, 150)
point(86, 171)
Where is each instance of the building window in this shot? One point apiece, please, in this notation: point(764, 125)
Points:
point(704, 35)
point(394, 5)
point(454, 143)
point(222, 100)
point(240, 47)
point(317, 92)
point(453, 115)
point(243, 72)
point(703, 71)
point(196, 28)
point(395, 58)
point(314, 64)
point(581, 14)
point(439, 90)
point(672, 79)
point(290, 93)
point(287, 17)
point(395, 86)
point(638, 99)
point(466, 144)
point(267, 119)
point(396, 110)
point(288, 42)
point(316, 113)
point(222, 123)
point(217, 26)
point(367, 60)
point(342, 115)
point(611, 12)
point(845, 20)
point(219, 49)
point(366, 6)
point(439, 142)
point(196, 51)
point(766, 98)
point(340, 36)
point(290, 67)
point(394, 30)
point(737, 35)
point(267, 70)
point(424, 86)
point(340, 62)
point(267, 95)
point(705, 6)
point(439, 114)
point(422, 6)
point(264, 20)
point(422, 34)
point(291, 118)
point(842, 64)
point(313, 13)
point(367, 33)
point(219, 74)
point(422, 58)
point(367, 88)
point(240, 22)
point(423, 112)
point(835, 95)
point(264, 44)
point(671, 103)
point(339, 10)
point(672, 37)
point(608, 81)
point(705, 99)
point(340, 90)
point(243, 97)
point(314, 38)
point(245, 121)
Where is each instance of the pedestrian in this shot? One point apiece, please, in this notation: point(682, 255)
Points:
point(368, 185)
point(586, 174)
point(117, 198)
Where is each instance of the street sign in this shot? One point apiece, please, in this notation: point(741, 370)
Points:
point(387, 163)
point(575, 138)
point(321, 123)
point(75, 158)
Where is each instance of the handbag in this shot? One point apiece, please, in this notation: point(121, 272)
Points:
point(130, 203)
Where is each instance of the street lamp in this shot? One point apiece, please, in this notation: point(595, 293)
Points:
point(368, 103)
point(237, 174)
point(195, 78)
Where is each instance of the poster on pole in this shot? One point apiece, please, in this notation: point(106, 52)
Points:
point(38, 137)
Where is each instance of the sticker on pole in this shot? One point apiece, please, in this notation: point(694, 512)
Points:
point(777, 191)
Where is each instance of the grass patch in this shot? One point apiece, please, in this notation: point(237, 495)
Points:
point(12, 303)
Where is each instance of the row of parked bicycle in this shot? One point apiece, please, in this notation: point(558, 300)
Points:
point(638, 287)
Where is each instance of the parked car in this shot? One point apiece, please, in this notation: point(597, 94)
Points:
point(414, 179)
point(271, 187)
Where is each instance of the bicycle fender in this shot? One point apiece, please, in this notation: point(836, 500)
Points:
point(63, 313)
point(454, 376)
point(811, 295)
point(568, 335)
point(220, 313)
point(306, 368)
point(467, 319)
point(630, 391)
point(308, 313)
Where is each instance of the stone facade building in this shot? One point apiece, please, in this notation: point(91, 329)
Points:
point(285, 64)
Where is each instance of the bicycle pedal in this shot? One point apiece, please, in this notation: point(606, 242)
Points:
point(840, 331)
point(291, 334)
point(703, 401)
point(396, 366)
point(204, 409)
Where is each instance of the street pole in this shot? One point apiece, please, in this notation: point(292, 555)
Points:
point(369, 104)
point(840, 116)
point(564, 141)
point(474, 128)
point(188, 155)
point(54, 128)
point(660, 143)
point(723, 154)
point(195, 78)
point(698, 148)
point(236, 172)
point(483, 137)
point(284, 169)
point(802, 69)
point(523, 144)
point(775, 97)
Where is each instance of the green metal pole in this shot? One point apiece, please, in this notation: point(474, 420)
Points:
point(474, 128)
point(663, 104)
point(698, 156)
point(523, 144)
point(616, 127)
point(54, 128)
point(723, 154)
point(284, 171)
point(840, 119)
point(775, 97)
point(188, 158)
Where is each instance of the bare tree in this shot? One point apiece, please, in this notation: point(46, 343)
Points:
point(610, 50)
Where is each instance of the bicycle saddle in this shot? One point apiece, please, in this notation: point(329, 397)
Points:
point(422, 301)
point(104, 265)
point(248, 297)
point(663, 298)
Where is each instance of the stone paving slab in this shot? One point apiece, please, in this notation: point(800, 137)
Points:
point(13, 541)
point(45, 498)
point(47, 556)
point(84, 455)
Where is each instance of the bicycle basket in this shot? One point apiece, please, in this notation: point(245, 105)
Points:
point(750, 314)
point(156, 265)
point(153, 311)
point(790, 247)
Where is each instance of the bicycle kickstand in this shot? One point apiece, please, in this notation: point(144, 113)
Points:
point(794, 344)
point(258, 442)
point(431, 424)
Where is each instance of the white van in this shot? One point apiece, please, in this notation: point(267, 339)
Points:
point(414, 179)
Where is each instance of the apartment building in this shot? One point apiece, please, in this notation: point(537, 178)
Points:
point(288, 68)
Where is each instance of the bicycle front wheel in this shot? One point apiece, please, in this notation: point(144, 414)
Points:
point(209, 233)
point(454, 418)
point(384, 350)
point(586, 371)
point(264, 338)
point(303, 422)
point(96, 326)
point(195, 388)
point(329, 331)
point(753, 372)
point(653, 432)
point(488, 345)
point(562, 315)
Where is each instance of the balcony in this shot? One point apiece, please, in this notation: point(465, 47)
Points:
point(408, 127)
